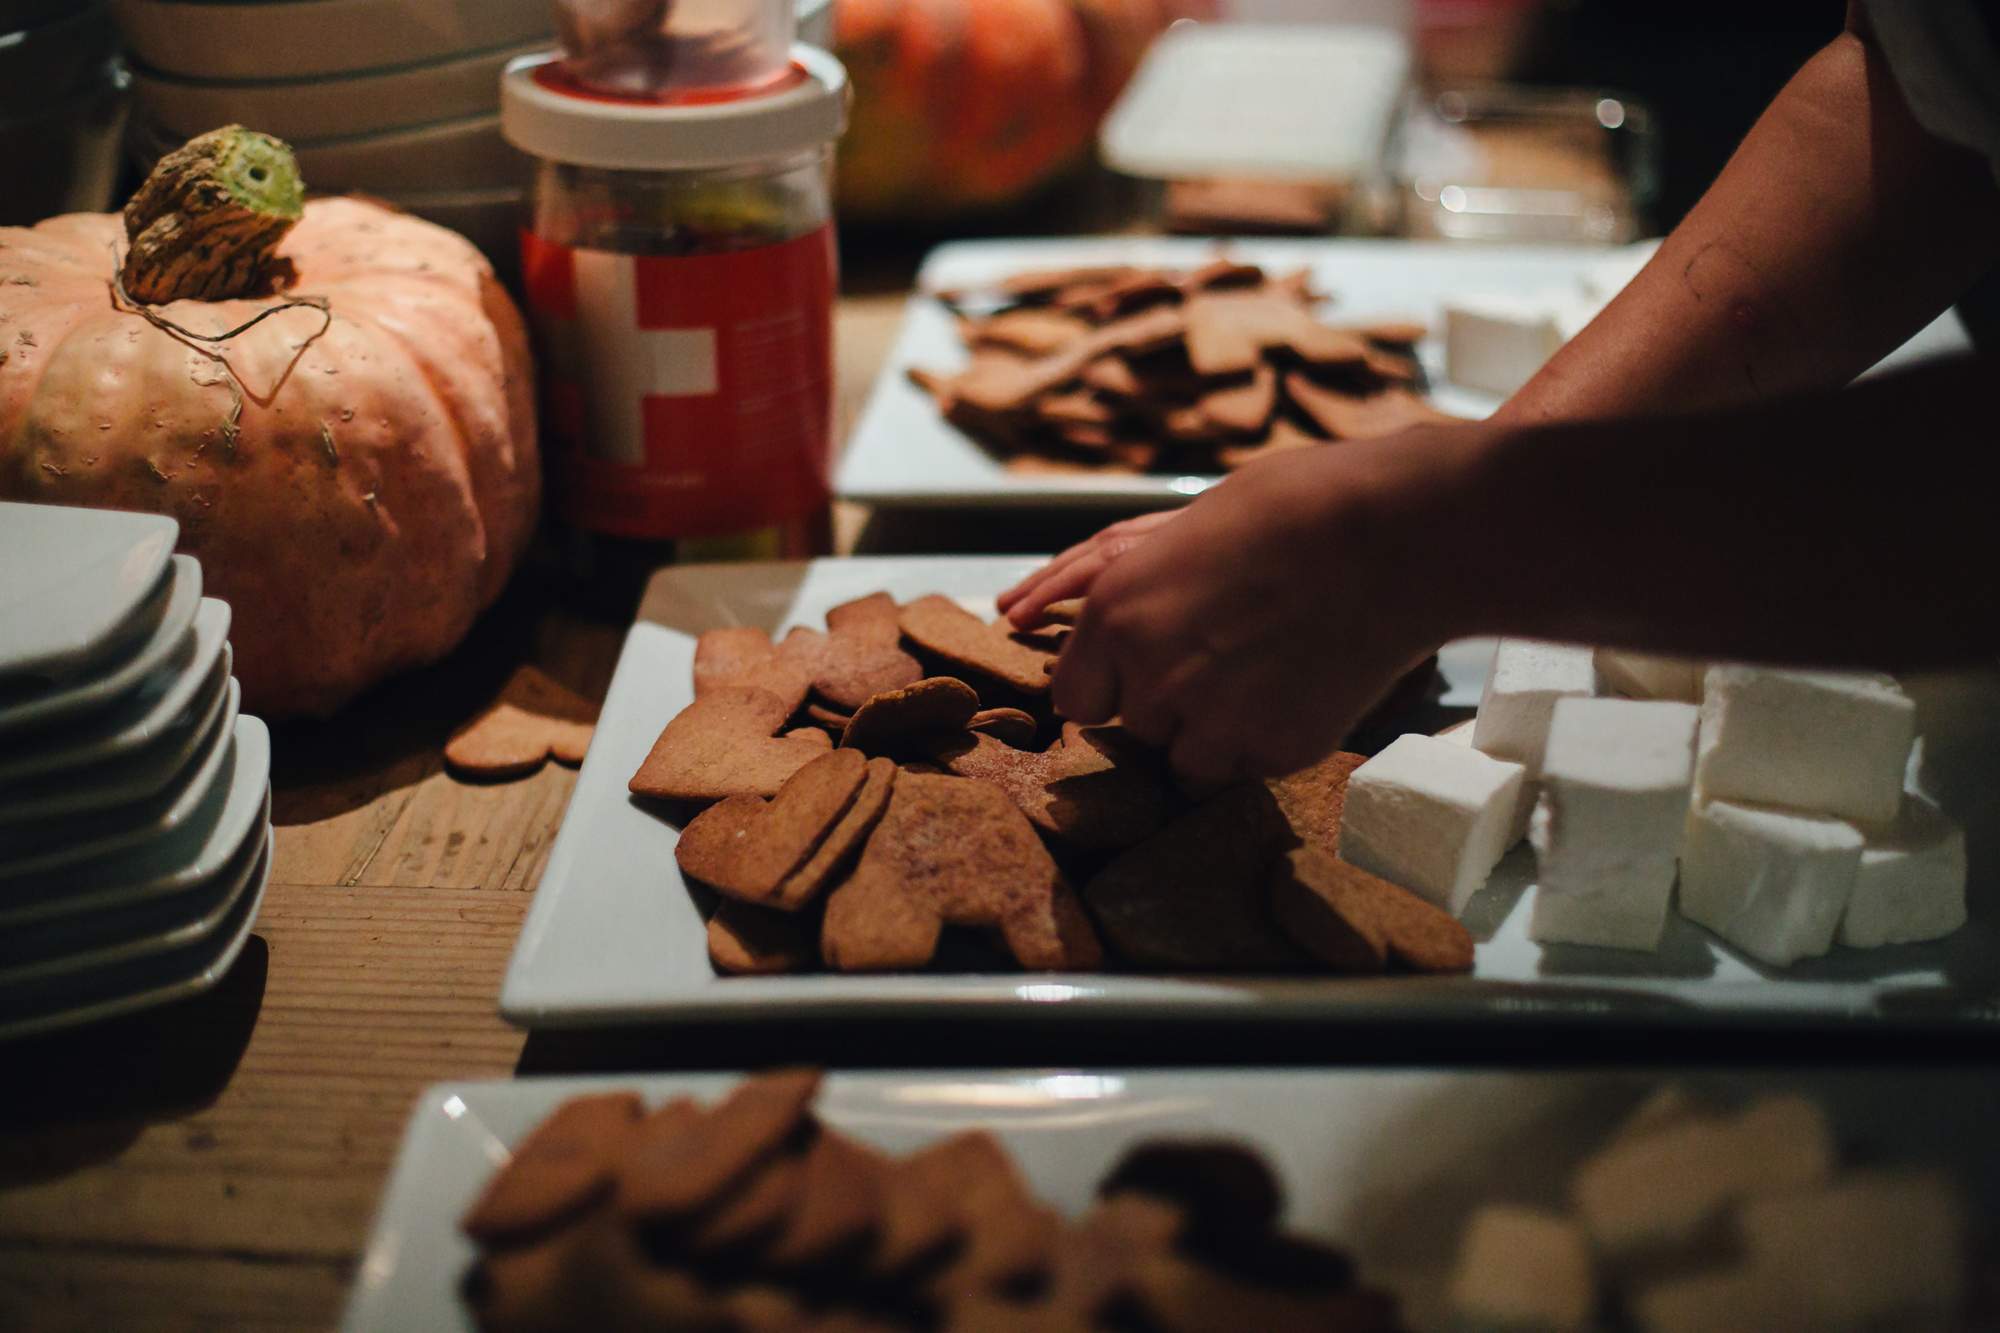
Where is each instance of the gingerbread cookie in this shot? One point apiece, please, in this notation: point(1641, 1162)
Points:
point(747, 940)
point(1009, 726)
point(891, 720)
point(858, 657)
point(725, 744)
point(742, 657)
point(1032, 330)
point(838, 1205)
point(1197, 893)
point(1359, 922)
point(1242, 409)
point(746, 847)
point(533, 720)
point(1094, 788)
point(753, 1216)
point(567, 1163)
point(1346, 417)
point(1227, 333)
point(947, 629)
point(1312, 798)
point(951, 851)
point(676, 1163)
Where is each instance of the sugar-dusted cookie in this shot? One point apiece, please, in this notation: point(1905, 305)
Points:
point(858, 657)
point(743, 656)
point(1312, 798)
point(952, 851)
point(1094, 788)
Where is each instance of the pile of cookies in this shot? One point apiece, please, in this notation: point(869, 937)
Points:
point(1126, 369)
point(751, 1216)
point(904, 771)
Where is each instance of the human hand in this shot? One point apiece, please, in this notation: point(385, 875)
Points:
point(1071, 573)
point(1250, 633)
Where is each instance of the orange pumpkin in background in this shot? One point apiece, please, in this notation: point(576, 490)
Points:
point(358, 476)
point(969, 105)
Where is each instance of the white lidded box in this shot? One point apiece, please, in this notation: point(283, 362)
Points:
point(1277, 102)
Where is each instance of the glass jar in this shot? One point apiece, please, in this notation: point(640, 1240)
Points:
point(680, 271)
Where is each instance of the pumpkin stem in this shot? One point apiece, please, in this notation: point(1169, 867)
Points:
point(206, 222)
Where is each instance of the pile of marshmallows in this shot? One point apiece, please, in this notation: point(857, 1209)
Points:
point(1778, 795)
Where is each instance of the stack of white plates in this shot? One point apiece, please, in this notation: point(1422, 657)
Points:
point(135, 812)
point(399, 99)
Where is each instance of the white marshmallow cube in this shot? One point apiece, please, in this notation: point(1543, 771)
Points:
point(1772, 883)
point(1522, 1268)
point(1728, 1300)
point(1873, 1246)
point(1650, 1194)
point(1526, 679)
point(1431, 816)
point(1911, 883)
point(1607, 834)
point(1647, 676)
point(1830, 742)
point(1879, 1249)
point(1459, 733)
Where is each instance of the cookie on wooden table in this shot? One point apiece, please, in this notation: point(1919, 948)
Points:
point(534, 719)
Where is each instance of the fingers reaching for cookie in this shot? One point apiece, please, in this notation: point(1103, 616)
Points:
point(1260, 625)
point(1068, 577)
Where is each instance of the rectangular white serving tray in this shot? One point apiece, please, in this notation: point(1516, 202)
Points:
point(1389, 1165)
point(615, 937)
point(902, 452)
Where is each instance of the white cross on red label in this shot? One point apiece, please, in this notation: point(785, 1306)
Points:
point(687, 395)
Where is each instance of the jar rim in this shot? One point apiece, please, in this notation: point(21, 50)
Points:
point(596, 132)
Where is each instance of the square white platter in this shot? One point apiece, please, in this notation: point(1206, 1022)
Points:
point(902, 452)
point(615, 937)
point(1388, 1165)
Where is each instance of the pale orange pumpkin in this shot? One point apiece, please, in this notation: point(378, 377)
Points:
point(357, 492)
point(961, 105)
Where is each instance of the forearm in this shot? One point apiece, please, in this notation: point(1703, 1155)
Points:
point(1847, 529)
point(1839, 228)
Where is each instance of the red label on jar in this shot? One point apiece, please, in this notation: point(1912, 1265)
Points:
point(686, 396)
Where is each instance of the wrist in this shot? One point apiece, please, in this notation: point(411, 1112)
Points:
point(1410, 516)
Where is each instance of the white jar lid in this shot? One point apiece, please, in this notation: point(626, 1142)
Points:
point(643, 136)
